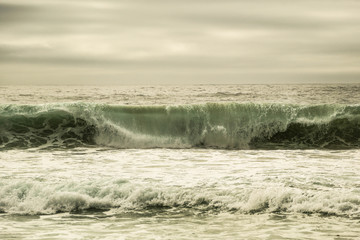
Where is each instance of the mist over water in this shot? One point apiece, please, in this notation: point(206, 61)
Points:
point(237, 161)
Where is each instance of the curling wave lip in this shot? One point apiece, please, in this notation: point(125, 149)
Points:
point(211, 125)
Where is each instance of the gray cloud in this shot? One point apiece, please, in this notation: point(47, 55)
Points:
point(166, 41)
point(15, 12)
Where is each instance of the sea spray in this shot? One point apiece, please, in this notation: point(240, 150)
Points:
point(35, 197)
point(212, 125)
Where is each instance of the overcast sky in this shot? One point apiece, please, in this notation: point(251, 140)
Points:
point(179, 41)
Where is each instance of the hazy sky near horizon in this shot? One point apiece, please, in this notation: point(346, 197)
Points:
point(175, 42)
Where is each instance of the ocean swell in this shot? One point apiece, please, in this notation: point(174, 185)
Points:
point(212, 125)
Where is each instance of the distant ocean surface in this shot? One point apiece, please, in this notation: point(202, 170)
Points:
point(180, 162)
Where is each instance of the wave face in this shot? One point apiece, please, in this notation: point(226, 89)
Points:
point(212, 125)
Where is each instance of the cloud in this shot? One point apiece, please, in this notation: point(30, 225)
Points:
point(14, 12)
point(164, 40)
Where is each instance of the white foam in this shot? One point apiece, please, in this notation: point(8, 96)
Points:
point(40, 198)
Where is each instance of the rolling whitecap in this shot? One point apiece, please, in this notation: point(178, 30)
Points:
point(211, 125)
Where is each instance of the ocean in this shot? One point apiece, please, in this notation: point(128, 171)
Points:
point(180, 162)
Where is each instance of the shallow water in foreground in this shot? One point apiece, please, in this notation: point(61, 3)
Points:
point(165, 193)
point(177, 226)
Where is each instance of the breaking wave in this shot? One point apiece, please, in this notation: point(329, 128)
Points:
point(119, 196)
point(212, 125)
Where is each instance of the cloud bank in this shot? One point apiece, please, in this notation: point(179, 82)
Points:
point(175, 42)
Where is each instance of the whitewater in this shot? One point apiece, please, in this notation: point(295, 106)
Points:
point(211, 125)
point(180, 162)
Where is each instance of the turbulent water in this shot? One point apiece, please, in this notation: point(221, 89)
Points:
point(180, 162)
point(211, 125)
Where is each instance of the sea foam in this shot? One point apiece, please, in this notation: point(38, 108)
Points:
point(34, 197)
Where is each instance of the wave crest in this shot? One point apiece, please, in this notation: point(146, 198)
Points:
point(212, 125)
